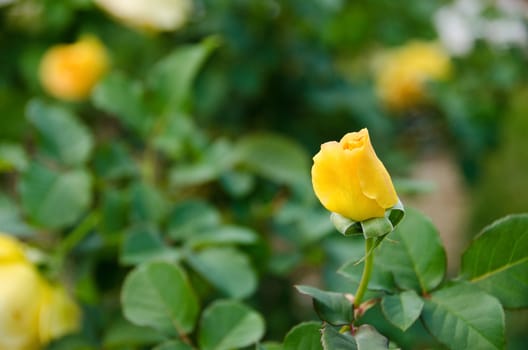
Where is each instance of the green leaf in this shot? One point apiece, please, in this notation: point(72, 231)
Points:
point(114, 210)
point(144, 244)
point(113, 161)
point(11, 218)
point(304, 336)
point(223, 235)
point(171, 79)
point(173, 345)
point(12, 157)
point(158, 294)
point(118, 95)
point(64, 137)
point(364, 338)
point(71, 342)
point(301, 223)
point(122, 333)
point(402, 309)
point(191, 218)
point(331, 307)
point(55, 199)
point(417, 258)
point(227, 269)
point(148, 203)
point(276, 158)
point(368, 338)
point(269, 346)
point(218, 158)
point(497, 260)
point(237, 183)
point(228, 324)
point(177, 134)
point(332, 339)
point(463, 317)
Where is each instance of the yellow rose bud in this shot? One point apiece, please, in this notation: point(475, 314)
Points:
point(59, 315)
point(11, 250)
point(20, 292)
point(69, 72)
point(402, 73)
point(350, 180)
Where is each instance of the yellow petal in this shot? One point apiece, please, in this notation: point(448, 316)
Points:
point(374, 179)
point(349, 179)
point(19, 306)
point(59, 314)
point(11, 250)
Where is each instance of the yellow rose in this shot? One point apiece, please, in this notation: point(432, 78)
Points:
point(350, 180)
point(70, 71)
point(402, 73)
point(32, 312)
point(162, 15)
point(10, 250)
point(59, 315)
point(20, 291)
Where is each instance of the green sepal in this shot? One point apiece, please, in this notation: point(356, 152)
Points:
point(375, 227)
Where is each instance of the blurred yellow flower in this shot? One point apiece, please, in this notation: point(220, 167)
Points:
point(10, 250)
point(70, 71)
point(20, 290)
point(59, 315)
point(350, 180)
point(32, 312)
point(162, 15)
point(401, 73)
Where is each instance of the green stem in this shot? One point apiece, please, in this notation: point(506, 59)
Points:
point(367, 271)
point(72, 239)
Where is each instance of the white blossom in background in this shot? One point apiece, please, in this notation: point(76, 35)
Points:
point(513, 7)
point(505, 32)
point(160, 15)
point(455, 30)
point(461, 23)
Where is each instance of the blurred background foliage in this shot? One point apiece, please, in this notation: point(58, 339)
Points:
point(211, 128)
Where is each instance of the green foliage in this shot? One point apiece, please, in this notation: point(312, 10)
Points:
point(405, 259)
point(229, 324)
point(64, 138)
point(159, 295)
point(462, 317)
point(226, 269)
point(497, 261)
point(173, 345)
point(402, 309)
point(461, 313)
point(304, 336)
point(364, 338)
point(55, 198)
point(331, 307)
